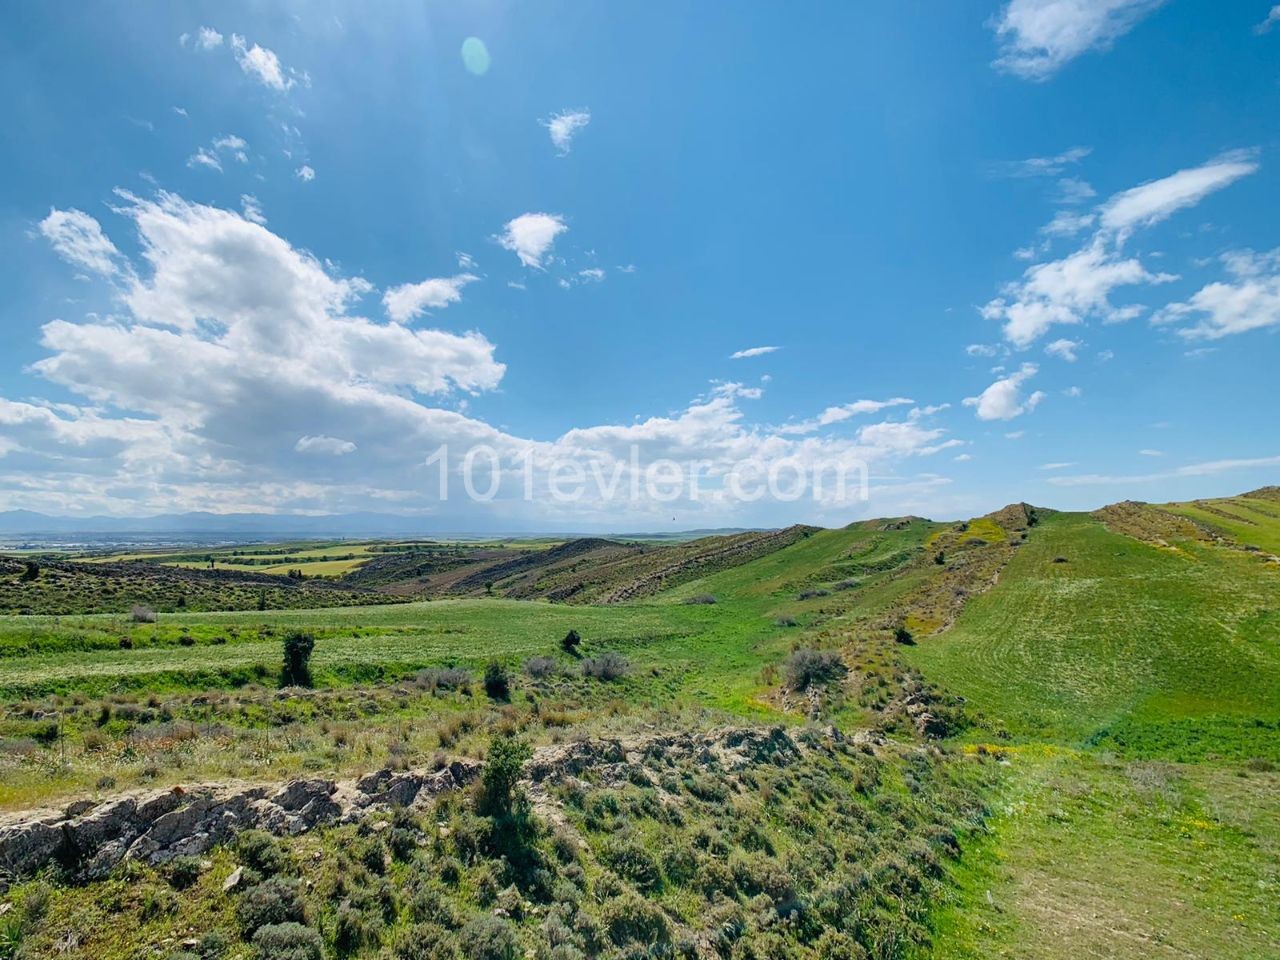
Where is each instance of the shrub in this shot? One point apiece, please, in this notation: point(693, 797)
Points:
point(630, 918)
point(448, 678)
point(140, 614)
point(806, 668)
point(786, 622)
point(634, 862)
point(902, 635)
point(701, 598)
point(571, 642)
point(274, 901)
point(259, 851)
point(502, 769)
point(184, 872)
point(30, 571)
point(297, 659)
point(489, 938)
point(354, 930)
point(815, 592)
point(607, 666)
point(187, 640)
point(497, 684)
point(287, 941)
point(425, 941)
point(541, 667)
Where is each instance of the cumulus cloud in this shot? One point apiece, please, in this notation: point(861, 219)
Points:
point(530, 236)
point(1078, 287)
point(1065, 349)
point(1038, 37)
point(78, 239)
point(409, 300)
point(752, 352)
point(305, 173)
point(261, 64)
point(229, 353)
point(1249, 300)
point(563, 126)
point(1004, 399)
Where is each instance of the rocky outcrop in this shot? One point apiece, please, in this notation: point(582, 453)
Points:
point(89, 838)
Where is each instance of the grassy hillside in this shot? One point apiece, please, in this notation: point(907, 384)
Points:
point(1066, 742)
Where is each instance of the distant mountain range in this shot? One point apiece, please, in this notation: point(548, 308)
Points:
point(27, 522)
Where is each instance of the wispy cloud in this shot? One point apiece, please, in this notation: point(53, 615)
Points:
point(1038, 37)
point(564, 126)
point(752, 352)
point(1272, 19)
point(1207, 469)
point(1050, 166)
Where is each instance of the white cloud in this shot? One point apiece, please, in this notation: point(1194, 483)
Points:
point(409, 300)
point(1015, 434)
point(180, 111)
point(592, 274)
point(204, 158)
point(752, 352)
point(208, 38)
point(1248, 301)
point(1157, 200)
point(305, 173)
point(982, 349)
point(1271, 20)
point(233, 144)
point(78, 239)
point(1073, 190)
point(261, 64)
point(1066, 291)
point(842, 412)
point(230, 352)
point(1151, 453)
point(1038, 37)
point(530, 236)
point(1066, 349)
point(564, 125)
point(331, 446)
point(962, 458)
point(251, 208)
point(1041, 166)
point(1003, 400)
point(1207, 469)
point(1078, 286)
point(1059, 465)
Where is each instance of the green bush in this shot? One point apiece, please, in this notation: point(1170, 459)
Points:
point(297, 659)
point(503, 766)
point(631, 860)
point(260, 851)
point(184, 872)
point(274, 901)
point(497, 683)
point(630, 918)
point(489, 938)
point(287, 941)
point(807, 668)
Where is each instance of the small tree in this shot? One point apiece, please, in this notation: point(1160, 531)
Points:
point(902, 635)
point(497, 684)
point(571, 642)
point(502, 768)
point(297, 659)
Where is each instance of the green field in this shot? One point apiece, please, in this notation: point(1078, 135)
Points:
point(1077, 719)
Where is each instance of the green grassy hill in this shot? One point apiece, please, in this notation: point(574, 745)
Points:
point(1069, 734)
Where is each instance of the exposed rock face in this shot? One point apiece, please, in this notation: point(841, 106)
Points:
point(158, 826)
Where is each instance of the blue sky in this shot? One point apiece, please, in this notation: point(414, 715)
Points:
point(272, 259)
